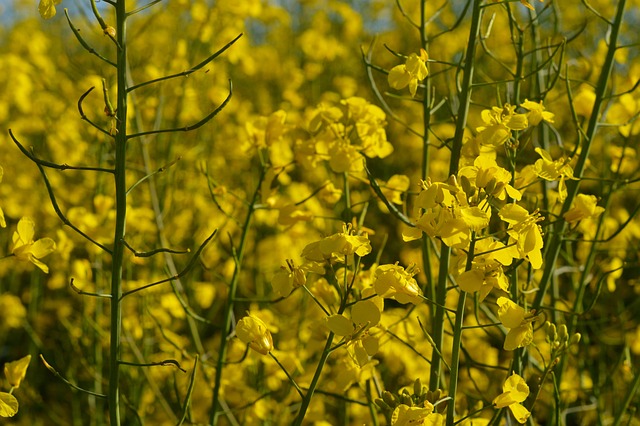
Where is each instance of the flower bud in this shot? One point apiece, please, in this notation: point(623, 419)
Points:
point(254, 332)
point(575, 339)
point(562, 332)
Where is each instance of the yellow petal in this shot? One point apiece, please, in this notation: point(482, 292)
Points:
point(398, 77)
point(471, 281)
point(340, 325)
point(47, 8)
point(365, 312)
point(518, 337)
point(520, 413)
point(26, 230)
point(8, 405)
point(510, 314)
point(517, 386)
point(43, 247)
point(16, 370)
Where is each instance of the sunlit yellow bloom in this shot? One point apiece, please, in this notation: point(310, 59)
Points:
point(403, 415)
point(16, 370)
point(498, 124)
point(47, 8)
point(515, 391)
point(395, 282)
point(254, 332)
point(361, 343)
point(495, 181)
point(338, 245)
point(287, 279)
point(25, 248)
point(518, 321)
point(410, 73)
point(551, 170)
point(524, 232)
point(584, 206)
point(537, 112)
point(486, 272)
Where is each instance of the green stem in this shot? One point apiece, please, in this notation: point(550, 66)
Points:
point(455, 358)
point(228, 309)
point(445, 252)
point(121, 214)
point(314, 382)
point(457, 340)
point(573, 185)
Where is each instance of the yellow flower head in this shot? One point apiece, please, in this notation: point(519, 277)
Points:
point(518, 321)
point(338, 245)
point(498, 124)
point(395, 282)
point(515, 391)
point(254, 332)
point(584, 206)
point(537, 113)
point(16, 370)
point(25, 248)
point(414, 70)
point(525, 232)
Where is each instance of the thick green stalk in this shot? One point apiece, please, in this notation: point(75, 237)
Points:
point(573, 185)
point(121, 214)
point(461, 123)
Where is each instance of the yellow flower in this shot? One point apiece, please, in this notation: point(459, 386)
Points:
point(47, 8)
point(338, 245)
point(498, 124)
point(524, 232)
point(24, 248)
point(487, 175)
point(16, 370)
point(518, 321)
point(403, 415)
point(486, 272)
point(395, 282)
point(584, 206)
point(361, 343)
point(515, 391)
point(254, 332)
point(414, 70)
point(537, 113)
point(551, 170)
point(288, 278)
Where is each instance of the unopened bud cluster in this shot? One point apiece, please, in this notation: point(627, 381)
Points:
point(558, 337)
point(421, 397)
